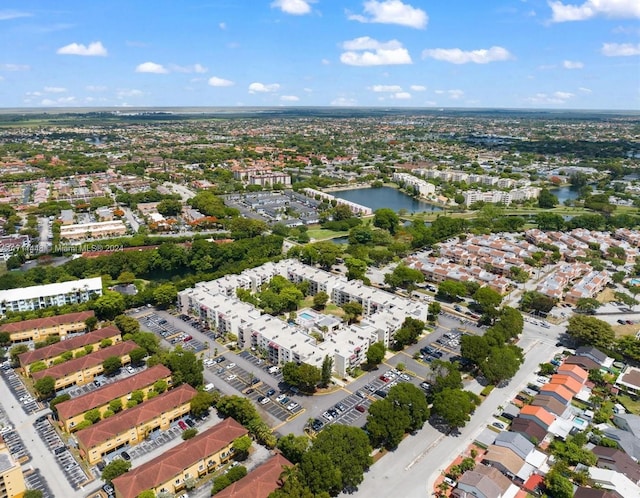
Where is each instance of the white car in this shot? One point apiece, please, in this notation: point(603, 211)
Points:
point(281, 397)
point(230, 365)
point(327, 416)
point(292, 406)
point(265, 400)
point(232, 377)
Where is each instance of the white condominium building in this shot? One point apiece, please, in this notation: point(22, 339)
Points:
point(44, 296)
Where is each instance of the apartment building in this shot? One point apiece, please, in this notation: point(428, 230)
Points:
point(500, 196)
point(132, 426)
point(71, 412)
point(43, 296)
point(423, 187)
point(57, 352)
point(97, 230)
point(383, 315)
point(355, 208)
point(11, 244)
point(589, 286)
point(12, 483)
point(83, 370)
point(192, 459)
point(38, 329)
point(260, 482)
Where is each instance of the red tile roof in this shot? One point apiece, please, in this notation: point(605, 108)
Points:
point(260, 482)
point(574, 370)
point(567, 381)
point(173, 462)
point(557, 389)
point(68, 345)
point(148, 410)
point(105, 394)
point(538, 412)
point(91, 360)
point(50, 321)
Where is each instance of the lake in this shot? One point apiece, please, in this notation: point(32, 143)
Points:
point(385, 197)
point(564, 193)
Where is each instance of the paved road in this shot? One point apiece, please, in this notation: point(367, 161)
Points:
point(411, 470)
point(128, 214)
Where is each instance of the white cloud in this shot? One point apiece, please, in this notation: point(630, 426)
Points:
point(220, 82)
point(95, 88)
point(392, 12)
point(54, 89)
point(14, 67)
point(585, 90)
point(1, 78)
point(366, 51)
point(386, 88)
point(553, 98)
point(222, 25)
point(262, 88)
point(58, 101)
point(343, 101)
point(92, 50)
point(458, 56)
point(7, 15)
point(620, 49)
point(195, 68)
point(34, 94)
point(293, 7)
point(326, 62)
point(129, 92)
point(418, 88)
point(289, 98)
point(572, 64)
point(452, 94)
point(151, 67)
point(401, 96)
point(620, 9)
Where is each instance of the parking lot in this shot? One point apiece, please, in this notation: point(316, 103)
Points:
point(34, 480)
point(23, 396)
point(172, 334)
point(72, 470)
point(279, 404)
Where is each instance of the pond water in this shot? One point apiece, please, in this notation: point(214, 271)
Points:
point(385, 197)
point(564, 193)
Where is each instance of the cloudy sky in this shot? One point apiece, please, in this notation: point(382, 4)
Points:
point(560, 54)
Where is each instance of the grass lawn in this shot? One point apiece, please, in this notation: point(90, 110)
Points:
point(622, 330)
point(606, 296)
point(324, 234)
point(332, 309)
point(630, 405)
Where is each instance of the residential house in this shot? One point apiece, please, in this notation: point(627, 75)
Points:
point(505, 460)
point(550, 403)
point(71, 412)
point(132, 426)
point(11, 478)
point(618, 460)
point(583, 362)
point(584, 492)
point(529, 428)
point(51, 355)
point(192, 459)
point(593, 354)
point(579, 374)
point(260, 482)
point(83, 370)
point(558, 391)
point(482, 482)
point(615, 481)
point(38, 329)
point(516, 442)
point(629, 381)
point(568, 382)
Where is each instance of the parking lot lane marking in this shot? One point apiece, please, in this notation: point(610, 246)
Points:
point(294, 415)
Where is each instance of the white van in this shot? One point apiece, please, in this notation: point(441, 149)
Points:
point(209, 387)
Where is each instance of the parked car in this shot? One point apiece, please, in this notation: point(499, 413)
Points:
point(270, 392)
point(182, 425)
point(361, 408)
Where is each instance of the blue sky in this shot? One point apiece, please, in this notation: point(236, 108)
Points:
point(392, 53)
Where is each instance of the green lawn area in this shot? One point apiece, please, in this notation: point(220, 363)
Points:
point(332, 309)
point(324, 234)
point(630, 405)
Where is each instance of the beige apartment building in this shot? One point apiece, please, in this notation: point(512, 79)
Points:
point(39, 329)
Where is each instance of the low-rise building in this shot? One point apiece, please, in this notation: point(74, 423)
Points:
point(629, 380)
point(51, 355)
point(71, 412)
point(260, 482)
point(132, 426)
point(83, 370)
point(192, 459)
point(538, 415)
point(618, 460)
point(97, 230)
point(614, 481)
point(11, 478)
point(44, 296)
point(38, 329)
point(506, 461)
point(482, 482)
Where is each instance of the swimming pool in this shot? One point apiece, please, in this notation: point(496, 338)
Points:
point(580, 421)
point(635, 281)
point(306, 316)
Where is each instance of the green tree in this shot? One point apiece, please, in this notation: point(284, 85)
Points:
point(352, 311)
point(304, 376)
point(327, 368)
point(147, 493)
point(189, 433)
point(356, 269)
point(165, 295)
point(410, 399)
point(169, 207)
point(546, 200)
point(293, 447)
point(404, 277)
point(454, 406)
point(16, 351)
point(591, 331)
point(474, 347)
point(32, 493)
point(446, 376)
point(587, 304)
point(386, 219)
point(557, 485)
point(201, 403)
point(45, 387)
point(386, 425)
point(91, 323)
point(137, 356)
point(375, 353)
point(92, 416)
point(320, 474)
point(502, 363)
point(115, 405)
point(57, 400)
point(109, 305)
point(320, 300)
point(487, 298)
point(241, 447)
point(127, 324)
point(115, 469)
point(348, 449)
point(239, 408)
point(126, 277)
point(452, 290)
point(111, 365)
point(434, 310)
point(185, 367)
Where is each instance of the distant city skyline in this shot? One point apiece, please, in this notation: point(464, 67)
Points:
point(518, 54)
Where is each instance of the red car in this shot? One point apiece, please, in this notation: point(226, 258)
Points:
point(383, 378)
point(361, 408)
point(183, 425)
